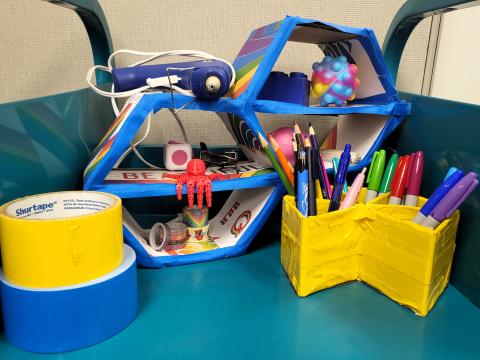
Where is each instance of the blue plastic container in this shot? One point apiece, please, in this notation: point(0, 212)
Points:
point(281, 87)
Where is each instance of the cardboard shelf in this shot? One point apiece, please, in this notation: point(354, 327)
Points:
point(278, 107)
point(135, 190)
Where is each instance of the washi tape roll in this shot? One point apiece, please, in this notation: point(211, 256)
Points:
point(169, 236)
point(195, 217)
point(60, 239)
point(68, 318)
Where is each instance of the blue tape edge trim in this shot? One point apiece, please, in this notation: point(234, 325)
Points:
point(145, 260)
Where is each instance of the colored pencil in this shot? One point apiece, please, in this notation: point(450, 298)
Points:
point(298, 136)
point(282, 159)
point(276, 166)
point(295, 151)
point(312, 195)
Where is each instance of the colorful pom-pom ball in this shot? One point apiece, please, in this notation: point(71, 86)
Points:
point(334, 81)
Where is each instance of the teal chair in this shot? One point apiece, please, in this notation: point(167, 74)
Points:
point(245, 307)
point(447, 132)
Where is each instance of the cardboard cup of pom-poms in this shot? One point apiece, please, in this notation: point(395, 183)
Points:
point(334, 81)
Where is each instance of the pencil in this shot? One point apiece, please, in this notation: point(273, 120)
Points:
point(295, 152)
point(282, 159)
point(298, 136)
point(312, 195)
point(294, 144)
point(275, 164)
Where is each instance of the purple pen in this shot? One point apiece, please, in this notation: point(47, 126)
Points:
point(452, 201)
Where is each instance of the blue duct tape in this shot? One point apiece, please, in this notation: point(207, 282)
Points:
point(71, 317)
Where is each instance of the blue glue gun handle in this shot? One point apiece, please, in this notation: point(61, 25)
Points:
point(193, 76)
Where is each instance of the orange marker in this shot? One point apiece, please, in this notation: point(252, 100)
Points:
point(287, 168)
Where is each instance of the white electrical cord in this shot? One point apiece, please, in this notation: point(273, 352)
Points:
point(151, 83)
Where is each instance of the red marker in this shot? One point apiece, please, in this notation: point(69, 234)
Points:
point(399, 181)
point(414, 178)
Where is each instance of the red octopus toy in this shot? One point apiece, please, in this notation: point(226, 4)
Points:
point(195, 178)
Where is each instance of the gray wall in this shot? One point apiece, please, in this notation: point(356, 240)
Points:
point(45, 49)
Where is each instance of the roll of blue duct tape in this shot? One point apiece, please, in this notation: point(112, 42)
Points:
point(71, 317)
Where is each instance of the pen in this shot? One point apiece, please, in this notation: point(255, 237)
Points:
point(302, 188)
point(452, 201)
point(414, 179)
point(438, 195)
point(388, 174)
point(335, 170)
point(355, 188)
point(320, 172)
point(375, 172)
point(312, 196)
point(282, 159)
point(397, 188)
point(275, 164)
point(340, 179)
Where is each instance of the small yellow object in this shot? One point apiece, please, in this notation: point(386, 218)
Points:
point(319, 89)
point(375, 243)
point(61, 239)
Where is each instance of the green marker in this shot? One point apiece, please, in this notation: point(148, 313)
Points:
point(375, 174)
point(388, 174)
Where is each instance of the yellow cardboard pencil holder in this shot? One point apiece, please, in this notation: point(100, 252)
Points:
point(375, 243)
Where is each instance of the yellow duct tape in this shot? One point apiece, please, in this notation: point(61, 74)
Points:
point(60, 239)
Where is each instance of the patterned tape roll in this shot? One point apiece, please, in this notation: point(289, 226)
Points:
point(60, 239)
point(68, 318)
point(195, 217)
point(198, 234)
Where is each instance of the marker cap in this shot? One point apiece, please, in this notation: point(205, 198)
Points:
point(441, 191)
point(374, 177)
point(415, 174)
point(455, 197)
point(397, 188)
point(388, 174)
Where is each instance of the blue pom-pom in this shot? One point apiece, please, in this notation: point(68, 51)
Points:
point(328, 98)
point(336, 66)
point(337, 87)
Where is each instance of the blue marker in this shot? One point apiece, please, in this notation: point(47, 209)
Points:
point(450, 172)
point(340, 179)
point(335, 169)
point(302, 187)
point(438, 195)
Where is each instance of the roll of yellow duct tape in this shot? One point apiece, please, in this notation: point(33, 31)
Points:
point(60, 239)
